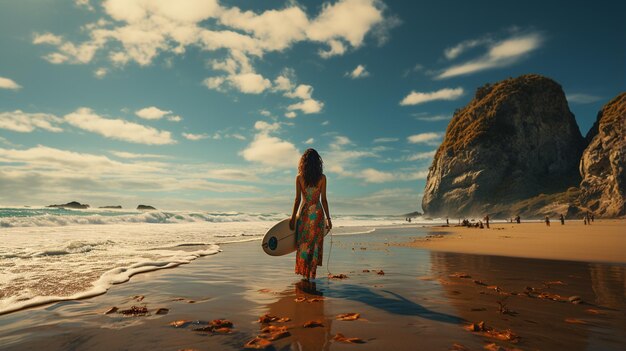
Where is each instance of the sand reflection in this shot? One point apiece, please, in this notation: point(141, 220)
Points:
point(533, 298)
point(303, 303)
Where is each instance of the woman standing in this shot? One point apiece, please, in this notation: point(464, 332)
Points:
point(309, 226)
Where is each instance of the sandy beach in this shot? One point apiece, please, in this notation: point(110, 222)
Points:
point(602, 241)
point(421, 299)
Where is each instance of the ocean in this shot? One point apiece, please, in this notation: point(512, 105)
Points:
point(53, 254)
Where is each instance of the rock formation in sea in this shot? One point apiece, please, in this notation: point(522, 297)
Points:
point(115, 207)
point(73, 204)
point(517, 139)
point(145, 207)
point(603, 185)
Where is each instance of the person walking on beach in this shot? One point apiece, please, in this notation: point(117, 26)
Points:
point(562, 218)
point(547, 221)
point(487, 221)
point(309, 226)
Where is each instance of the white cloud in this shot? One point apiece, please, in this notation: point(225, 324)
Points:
point(307, 106)
point(85, 4)
point(283, 83)
point(415, 98)
point(499, 54)
point(174, 118)
point(424, 138)
point(266, 127)
point(335, 48)
point(358, 72)
point(371, 175)
point(302, 91)
point(271, 151)
point(582, 98)
point(433, 118)
point(131, 155)
point(194, 137)
point(250, 83)
point(422, 155)
point(40, 174)
point(100, 72)
point(340, 141)
point(455, 51)
point(47, 38)
point(385, 140)
point(309, 141)
point(19, 121)
point(325, 123)
point(291, 114)
point(140, 30)
point(349, 20)
point(265, 113)
point(151, 112)
point(238, 136)
point(6, 83)
point(119, 129)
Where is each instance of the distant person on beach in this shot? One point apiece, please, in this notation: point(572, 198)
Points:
point(518, 220)
point(562, 218)
point(593, 217)
point(547, 221)
point(447, 221)
point(585, 219)
point(309, 226)
point(487, 221)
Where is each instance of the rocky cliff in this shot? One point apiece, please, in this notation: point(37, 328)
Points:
point(603, 185)
point(515, 140)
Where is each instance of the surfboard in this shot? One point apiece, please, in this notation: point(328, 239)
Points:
point(280, 240)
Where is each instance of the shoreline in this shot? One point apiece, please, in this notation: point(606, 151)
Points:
point(604, 241)
point(419, 298)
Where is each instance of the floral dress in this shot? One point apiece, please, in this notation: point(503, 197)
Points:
point(310, 234)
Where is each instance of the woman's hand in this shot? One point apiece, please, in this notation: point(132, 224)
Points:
point(292, 223)
point(329, 224)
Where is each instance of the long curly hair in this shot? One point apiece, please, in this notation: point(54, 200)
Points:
point(311, 167)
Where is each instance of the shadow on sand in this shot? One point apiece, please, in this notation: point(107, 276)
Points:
point(394, 303)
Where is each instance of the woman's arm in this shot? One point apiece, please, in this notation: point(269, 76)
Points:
point(296, 204)
point(325, 203)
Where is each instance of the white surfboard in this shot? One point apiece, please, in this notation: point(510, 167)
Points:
point(280, 240)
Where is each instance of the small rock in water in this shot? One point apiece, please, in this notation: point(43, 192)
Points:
point(138, 298)
point(313, 324)
point(348, 316)
point(273, 333)
point(380, 272)
point(163, 311)
point(337, 276)
point(257, 343)
point(135, 311)
point(341, 338)
point(111, 310)
point(460, 275)
point(575, 300)
point(179, 323)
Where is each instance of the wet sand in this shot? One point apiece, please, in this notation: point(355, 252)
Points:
point(424, 300)
point(602, 241)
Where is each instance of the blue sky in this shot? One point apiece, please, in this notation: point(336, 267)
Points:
point(200, 104)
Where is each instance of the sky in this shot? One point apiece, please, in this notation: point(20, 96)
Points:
point(207, 104)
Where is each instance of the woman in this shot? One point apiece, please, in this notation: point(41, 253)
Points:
point(309, 227)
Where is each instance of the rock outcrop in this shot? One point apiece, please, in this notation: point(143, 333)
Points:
point(603, 185)
point(112, 207)
point(73, 204)
point(515, 140)
point(145, 207)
